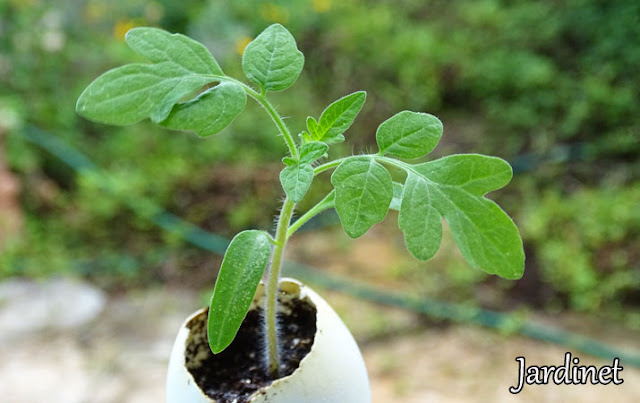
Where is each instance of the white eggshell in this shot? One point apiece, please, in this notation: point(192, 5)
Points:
point(332, 372)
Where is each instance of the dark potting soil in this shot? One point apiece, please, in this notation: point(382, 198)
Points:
point(233, 375)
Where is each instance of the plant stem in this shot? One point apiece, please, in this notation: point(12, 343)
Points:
point(288, 138)
point(273, 280)
point(261, 98)
point(271, 309)
point(321, 206)
point(327, 166)
point(282, 230)
point(398, 164)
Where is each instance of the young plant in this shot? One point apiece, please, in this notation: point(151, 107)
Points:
point(451, 188)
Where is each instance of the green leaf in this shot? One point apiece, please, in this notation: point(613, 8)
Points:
point(474, 173)
point(338, 117)
point(312, 126)
point(289, 161)
point(409, 134)
point(130, 93)
point(396, 202)
point(419, 220)
point(273, 60)
point(485, 234)
point(133, 92)
point(306, 138)
point(310, 152)
point(339, 138)
point(296, 180)
point(364, 191)
point(210, 112)
point(244, 262)
point(453, 188)
point(158, 45)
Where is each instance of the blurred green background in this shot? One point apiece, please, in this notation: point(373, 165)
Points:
point(553, 87)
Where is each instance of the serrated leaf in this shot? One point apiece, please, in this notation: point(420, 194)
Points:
point(296, 180)
point(310, 152)
point(338, 117)
point(454, 187)
point(210, 112)
point(409, 134)
point(158, 45)
point(364, 190)
point(244, 262)
point(128, 94)
point(419, 220)
point(396, 202)
point(273, 60)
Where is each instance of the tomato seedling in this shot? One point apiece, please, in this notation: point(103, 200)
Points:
point(452, 188)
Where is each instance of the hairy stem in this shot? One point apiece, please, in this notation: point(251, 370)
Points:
point(272, 287)
point(284, 130)
point(321, 206)
point(327, 166)
point(280, 240)
point(261, 98)
point(271, 309)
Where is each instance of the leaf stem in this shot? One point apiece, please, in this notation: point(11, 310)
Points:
point(399, 164)
point(271, 239)
point(271, 309)
point(261, 98)
point(391, 161)
point(321, 206)
point(327, 166)
point(284, 130)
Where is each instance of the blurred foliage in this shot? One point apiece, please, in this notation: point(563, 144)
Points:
point(507, 77)
point(588, 245)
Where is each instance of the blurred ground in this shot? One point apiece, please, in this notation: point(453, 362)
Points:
point(121, 356)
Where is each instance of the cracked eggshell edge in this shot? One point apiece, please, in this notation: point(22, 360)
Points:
point(333, 371)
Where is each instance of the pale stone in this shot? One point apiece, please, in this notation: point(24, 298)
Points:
point(28, 306)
